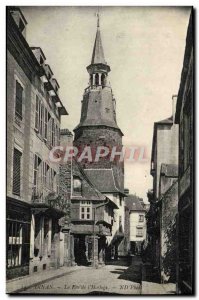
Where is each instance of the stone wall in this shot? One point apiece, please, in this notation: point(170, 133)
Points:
point(98, 136)
point(168, 234)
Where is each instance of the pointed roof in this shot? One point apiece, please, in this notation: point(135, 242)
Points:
point(98, 52)
point(104, 180)
point(133, 203)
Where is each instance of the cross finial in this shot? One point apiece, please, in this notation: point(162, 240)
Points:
point(98, 18)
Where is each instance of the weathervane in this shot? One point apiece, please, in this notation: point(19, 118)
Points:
point(98, 17)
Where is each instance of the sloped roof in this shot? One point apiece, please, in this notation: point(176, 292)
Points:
point(169, 170)
point(133, 203)
point(65, 131)
point(166, 121)
point(189, 50)
point(89, 190)
point(98, 52)
point(103, 179)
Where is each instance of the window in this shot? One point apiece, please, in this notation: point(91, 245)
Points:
point(57, 142)
point(21, 25)
point(41, 120)
point(14, 252)
point(37, 113)
point(141, 218)
point(37, 176)
point(186, 135)
point(54, 181)
point(45, 169)
point(57, 183)
point(52, 132)
point(19, 100)
point(46, 124)
point(77, 186)
point(49, 129)
point(47, 176)
point(139, 232)
point(120, 223)
point(85, 210)
point(18, 244)
point(120, 200)
point(16, 172)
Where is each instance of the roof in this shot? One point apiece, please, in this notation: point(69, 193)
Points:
point(65, 131)
point(98, 52)
point(98, 122)
point(39, 48)
point(186, 63)
point(13, 9)
point(89, 190)
point(104, 180)
point(167, 121)
point(169, 170)
point(133, 203)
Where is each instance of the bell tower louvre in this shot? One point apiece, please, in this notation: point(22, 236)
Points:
point(98, 125)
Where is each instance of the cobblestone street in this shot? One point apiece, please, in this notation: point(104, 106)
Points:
point(115, 279)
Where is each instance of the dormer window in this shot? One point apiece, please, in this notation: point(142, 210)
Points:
point(19, 20)
point(21, 25)
point(77, 186)
point(48, 71)
point(39, 55)
point(55, 84)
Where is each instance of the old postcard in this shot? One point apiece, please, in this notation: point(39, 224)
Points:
point(99, 150)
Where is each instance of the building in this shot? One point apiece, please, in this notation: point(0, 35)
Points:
point(98, 129)
point(34, 111)
point(136, 229)
point(164, 151)
point(184, 117)
point(91, 213)
point(167, 214)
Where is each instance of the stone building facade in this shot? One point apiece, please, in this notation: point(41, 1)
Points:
point(91, 215)
point(34, 112)
point(164, 151)
point(185, 117)
point(136, 225)
point(167, 214)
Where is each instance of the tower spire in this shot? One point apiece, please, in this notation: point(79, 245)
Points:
point(98, 52)
point(98, 19)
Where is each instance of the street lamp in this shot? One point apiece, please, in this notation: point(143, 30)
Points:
point(94, 214)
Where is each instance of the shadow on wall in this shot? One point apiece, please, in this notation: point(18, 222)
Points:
point(169, 259)
point(133, 273)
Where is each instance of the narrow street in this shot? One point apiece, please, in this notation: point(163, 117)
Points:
point(115, 278)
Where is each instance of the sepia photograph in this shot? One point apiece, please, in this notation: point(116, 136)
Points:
point(100, 150)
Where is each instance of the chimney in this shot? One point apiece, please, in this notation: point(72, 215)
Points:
point(174, 101)
point(19, 19)
point(66, 138)
point(126, 191)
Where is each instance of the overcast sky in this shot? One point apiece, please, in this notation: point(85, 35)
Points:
point(144, 48)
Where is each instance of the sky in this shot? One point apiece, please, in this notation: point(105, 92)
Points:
point(144, 47)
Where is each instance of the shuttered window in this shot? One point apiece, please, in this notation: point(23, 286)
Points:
point(19, 100)
point(41, 120)
point(139, 232)
point(53, 133)
point(37, 176)
point(37, 113)
point(16, 172)
point(46, 124)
